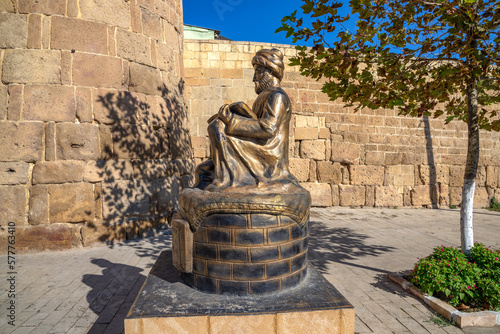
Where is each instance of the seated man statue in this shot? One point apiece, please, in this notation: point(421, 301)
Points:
point(249, 147)
point(248, 166)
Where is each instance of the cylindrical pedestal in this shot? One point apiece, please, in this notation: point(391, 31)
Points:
point(248, 254)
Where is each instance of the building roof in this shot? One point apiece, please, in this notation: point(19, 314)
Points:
point(196, 32)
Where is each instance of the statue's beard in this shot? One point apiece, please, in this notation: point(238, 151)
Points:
point(264, 83)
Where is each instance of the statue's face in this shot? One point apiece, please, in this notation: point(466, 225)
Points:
point(262, 78)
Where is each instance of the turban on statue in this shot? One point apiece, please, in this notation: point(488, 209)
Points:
point(272, 60)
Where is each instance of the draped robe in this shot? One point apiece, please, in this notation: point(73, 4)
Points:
point(247, 151)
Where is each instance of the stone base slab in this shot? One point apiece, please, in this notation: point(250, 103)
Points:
point(167, 305)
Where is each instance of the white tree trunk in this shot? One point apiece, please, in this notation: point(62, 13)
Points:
point(471, 165)
point(466, 230)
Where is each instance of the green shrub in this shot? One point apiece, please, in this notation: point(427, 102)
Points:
point(449, 274)
point(494, 205)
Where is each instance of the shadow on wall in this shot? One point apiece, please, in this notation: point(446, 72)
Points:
point(433, 190)
point(339, 245)
point(145, 161)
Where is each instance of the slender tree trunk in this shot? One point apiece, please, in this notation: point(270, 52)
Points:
point(466, 230)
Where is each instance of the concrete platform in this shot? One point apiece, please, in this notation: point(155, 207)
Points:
point(91, 290)
point(167, 305)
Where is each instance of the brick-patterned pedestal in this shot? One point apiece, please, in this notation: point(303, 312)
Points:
point(248, 254)
point(166, 305)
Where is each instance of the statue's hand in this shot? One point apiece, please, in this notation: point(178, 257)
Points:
point(225, 113)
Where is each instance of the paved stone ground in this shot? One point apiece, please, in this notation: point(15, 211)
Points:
point(91, 290)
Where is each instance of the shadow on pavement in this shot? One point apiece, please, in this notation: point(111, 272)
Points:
point(112, 294)
point(115, 288)
point(339, 245)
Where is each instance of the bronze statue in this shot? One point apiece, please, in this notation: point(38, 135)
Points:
point(243, 228)
point(249, 147)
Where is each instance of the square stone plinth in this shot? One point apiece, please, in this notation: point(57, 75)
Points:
point(167, 305)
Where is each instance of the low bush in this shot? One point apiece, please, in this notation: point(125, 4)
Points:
point(452, 276)
point(494, 205)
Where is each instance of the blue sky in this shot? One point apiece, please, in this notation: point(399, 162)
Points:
point(241, 20)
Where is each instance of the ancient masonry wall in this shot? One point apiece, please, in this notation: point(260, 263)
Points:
point(369, 158)
point(93, 131)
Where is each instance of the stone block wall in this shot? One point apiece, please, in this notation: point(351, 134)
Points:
point(369, 158)
point(94, 140)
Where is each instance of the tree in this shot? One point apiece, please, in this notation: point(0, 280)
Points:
point(422, 57)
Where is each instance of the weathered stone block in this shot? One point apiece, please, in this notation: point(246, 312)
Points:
point(367, 175)
point(73, 8)
point(77, 141)
point(375, 158)
point(14, 173)
point(399, 175)
point(58, 172)
point(307, 121)
point(457, 176)
point(7, 6)
point(50, 7)
point(13, 208)
point(133, 47)
point(112, 106)
point(346, 153)
point(329, 172)
point(481, 176)
point(388, 196)
point(21, 141)
point(138, 142)
point(50, 141)
point(83, 97)
point(71, 203)
point(31, 66)
point(15, 104)
point(335, 195)
point(164, 57)
point(100, 232)
point(13, 29)
point(321, 193)
point(352, 195)
point(105, 142)
point(112, 12)
point(444, 195)
point(135, 203)
point(455, 196)
point(108, 170)
point(79, 35)
point(481, 198)
point(4, 97)
point(38, 212)
point(370, 196)
point(434, 174)
point(49, 103)
point(313, 171)
point(97, 71)
point(492, 176)
point(151, 25)
point(300, 169)
point(145, 79)
point(306, 133)
point(179, 145)
point(313, 149)
point(47, 238)
point(424, 195)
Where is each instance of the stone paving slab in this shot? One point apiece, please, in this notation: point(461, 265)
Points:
point(91, 290)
